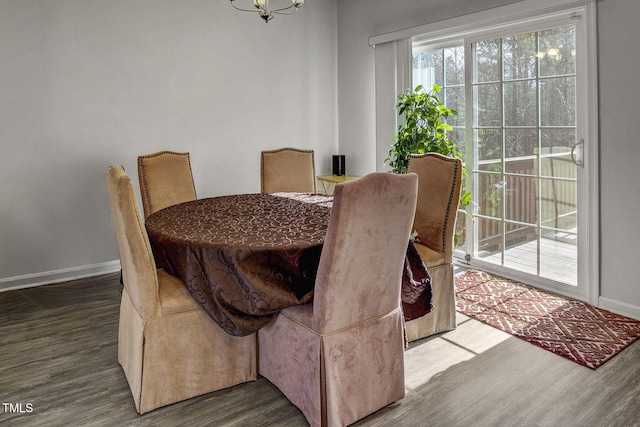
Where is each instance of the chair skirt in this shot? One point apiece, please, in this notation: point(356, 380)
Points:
point(184, 355)
point(443, 316)
point(335, 379)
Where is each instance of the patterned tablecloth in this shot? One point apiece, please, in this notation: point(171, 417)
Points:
point(245, 257)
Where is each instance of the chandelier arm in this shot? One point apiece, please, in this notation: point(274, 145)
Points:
point(244, 10)
point(279, 11)
point(295, 7)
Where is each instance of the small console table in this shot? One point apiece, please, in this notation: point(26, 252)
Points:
point(329, 181)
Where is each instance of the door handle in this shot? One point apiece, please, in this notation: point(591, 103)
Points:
point(577, 153)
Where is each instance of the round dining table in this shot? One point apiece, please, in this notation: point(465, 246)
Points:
point(243, 257)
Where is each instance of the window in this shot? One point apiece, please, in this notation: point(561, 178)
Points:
point(444, 67)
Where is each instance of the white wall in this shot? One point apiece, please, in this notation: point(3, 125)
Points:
point(619, 93)
point(85, 84)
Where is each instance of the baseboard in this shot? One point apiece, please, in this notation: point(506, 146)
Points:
point(618, 307)
point(57, 276)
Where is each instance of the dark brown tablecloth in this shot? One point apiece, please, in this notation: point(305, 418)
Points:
point(246, 257)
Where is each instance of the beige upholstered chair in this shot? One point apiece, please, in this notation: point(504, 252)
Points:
point(287, 170)
point(169, 348)
point(165, 180)
point(341, 357)
point(439, 185)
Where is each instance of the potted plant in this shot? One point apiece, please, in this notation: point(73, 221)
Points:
point(423, 129)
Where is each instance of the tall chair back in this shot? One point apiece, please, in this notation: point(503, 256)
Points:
point(439, 186)
point(287, 170)
point(165, 179)
point(138, 266)
point(364, 250)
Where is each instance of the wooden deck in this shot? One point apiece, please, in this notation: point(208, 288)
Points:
point(558, 258)
point(542, 194)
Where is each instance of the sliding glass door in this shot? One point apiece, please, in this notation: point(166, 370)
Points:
point(518, 93)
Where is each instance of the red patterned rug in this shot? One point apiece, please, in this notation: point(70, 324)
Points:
point(577, 331)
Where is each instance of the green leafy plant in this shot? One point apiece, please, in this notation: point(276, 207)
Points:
point(423, 129)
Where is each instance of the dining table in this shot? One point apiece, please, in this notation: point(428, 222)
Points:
point(245, 257)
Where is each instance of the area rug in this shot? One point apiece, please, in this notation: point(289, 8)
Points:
point(577, 331)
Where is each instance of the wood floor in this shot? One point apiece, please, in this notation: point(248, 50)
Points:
point(58, 352)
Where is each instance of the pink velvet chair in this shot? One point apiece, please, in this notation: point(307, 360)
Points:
point(439, 187)
point(169, 348)
point(287, 170)
point(165, 180)
point(341, 358)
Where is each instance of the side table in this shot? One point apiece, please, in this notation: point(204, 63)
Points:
point(329, 181)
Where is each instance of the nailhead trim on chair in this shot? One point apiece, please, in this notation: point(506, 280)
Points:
point(455, 176)
point(143, 179)
point(299, 150)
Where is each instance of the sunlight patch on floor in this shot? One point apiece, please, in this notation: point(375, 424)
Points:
point(429, 357)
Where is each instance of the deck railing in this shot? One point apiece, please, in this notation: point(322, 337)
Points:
point(520, 196)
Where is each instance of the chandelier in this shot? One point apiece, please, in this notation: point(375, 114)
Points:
point(266, 12)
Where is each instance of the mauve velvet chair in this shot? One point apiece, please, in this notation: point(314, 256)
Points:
point(341, 357)
point(439, 186)
point(287, 170)
point(169, 348)
point(165, 179)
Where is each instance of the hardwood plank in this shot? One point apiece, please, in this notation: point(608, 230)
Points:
point(58, 351)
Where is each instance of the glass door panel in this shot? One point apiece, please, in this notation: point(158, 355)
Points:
point(524, 127)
